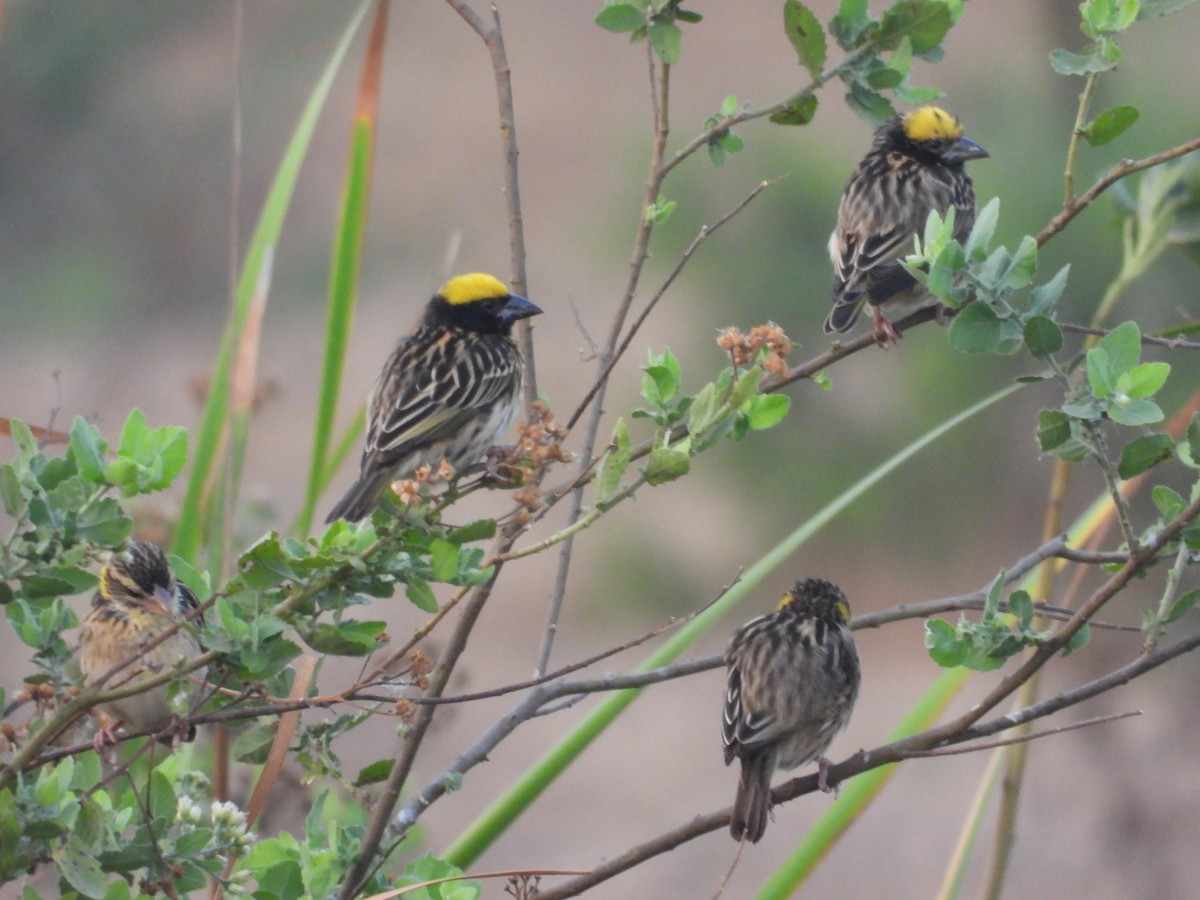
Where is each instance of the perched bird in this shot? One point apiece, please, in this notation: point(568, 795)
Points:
point(914, 166)
point(448, 391)
point(138, 600)
point(793, 678)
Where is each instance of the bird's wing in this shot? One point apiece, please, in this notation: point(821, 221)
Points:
point(438, 395)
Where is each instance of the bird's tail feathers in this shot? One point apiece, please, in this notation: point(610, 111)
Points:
point(752, 805)
point(360, 500)
point(844, 314)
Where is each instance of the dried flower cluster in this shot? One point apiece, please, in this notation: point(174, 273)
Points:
point(744, 349)
point(409, 490)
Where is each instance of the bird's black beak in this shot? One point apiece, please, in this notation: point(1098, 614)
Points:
point(962, 150)
point(518, 308)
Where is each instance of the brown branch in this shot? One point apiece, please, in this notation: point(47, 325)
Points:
point(860, 762)
point(573, 667)
point(1122, 169)
point(381, 813)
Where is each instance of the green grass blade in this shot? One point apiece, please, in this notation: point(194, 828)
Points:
point(347, 264)
point(956, 870)
point(215, 418)
point(492, 822)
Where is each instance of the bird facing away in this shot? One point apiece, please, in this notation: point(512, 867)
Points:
point(914, 166)
point(793, 677)
point(138, 600)
point(449, 391)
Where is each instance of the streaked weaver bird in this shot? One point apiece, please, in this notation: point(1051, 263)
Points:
point(139, 600)
point(792, 680)
point(915, 165)
point(449, 391)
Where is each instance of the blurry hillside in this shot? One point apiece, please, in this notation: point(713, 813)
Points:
point(115, 228)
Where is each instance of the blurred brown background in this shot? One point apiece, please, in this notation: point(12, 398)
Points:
point(115, 224)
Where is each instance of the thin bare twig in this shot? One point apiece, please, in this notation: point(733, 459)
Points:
point(573, 667)
point(493, 38)
point(659, 84)
point(1021, 739)
point(1174, 343)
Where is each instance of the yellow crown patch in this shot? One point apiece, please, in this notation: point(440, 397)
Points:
point(469, 288)
point(931, 124)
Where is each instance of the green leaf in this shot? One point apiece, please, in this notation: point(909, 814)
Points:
point(766, 410)
point(1153, 8)
point(1043, 337)
point(982, 231)
point(1086, 408)
point(620, 17)
point(192, 842)
point(104, 523)
point(1147, 379)
point(1168, 502)
point(1109, 124)
point(1023, 265)
point(851, 23)
point(80, 868)
point(10, 490)
point(158, 453)
point(1144, 453)
point(1123, 345)
point(704, 407)
point(443, 558)
point(666, 464)
point(1180, 607)
point(868, 104)
point(807, 36)
point(479, 530)
point(347, 638)
point(1101, 377)
point(1020, 604)
point(666, 39)
point(976, 330)
point(941, 640)
point(661, 381)
point(1078, 640)
point(1193, 437)
point(884, 78)
point(616, 461)
point(916, 96)
point(924, 22)
point(1056, 434)
point(420, 594)
point(57, 581)
point(1066, 63)
point(253, 744)
point(89, 450)
point(1043, 297)
point(799, 110)
point(1134, 412)
point(374, 773)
